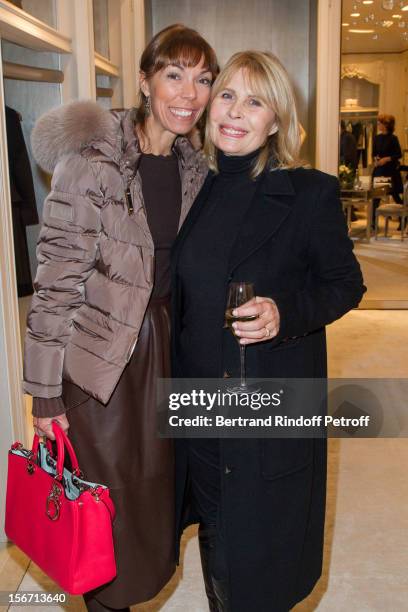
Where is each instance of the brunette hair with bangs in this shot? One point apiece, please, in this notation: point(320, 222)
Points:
point(388, 121)
point(176, 45)
point(269, 80)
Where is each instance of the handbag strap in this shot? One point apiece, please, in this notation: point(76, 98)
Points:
point(105, 499)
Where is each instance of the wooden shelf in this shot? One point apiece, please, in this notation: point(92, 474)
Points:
point(19, 27)
point(104, 66)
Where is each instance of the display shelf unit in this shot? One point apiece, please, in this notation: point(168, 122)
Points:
point(23, 29)
point(104, 66)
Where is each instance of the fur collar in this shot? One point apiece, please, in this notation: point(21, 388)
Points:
point(68, 128)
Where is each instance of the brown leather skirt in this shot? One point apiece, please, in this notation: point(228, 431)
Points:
point(117, 445)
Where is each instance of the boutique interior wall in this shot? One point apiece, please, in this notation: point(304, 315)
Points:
point(390, 72)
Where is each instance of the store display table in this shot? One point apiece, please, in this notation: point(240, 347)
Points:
point(360, 198)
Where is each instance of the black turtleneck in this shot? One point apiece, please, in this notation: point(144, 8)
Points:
point(203, 262)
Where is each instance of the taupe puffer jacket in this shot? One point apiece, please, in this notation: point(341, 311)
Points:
point(95, 255)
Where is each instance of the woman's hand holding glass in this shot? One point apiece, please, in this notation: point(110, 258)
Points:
point(264, 327)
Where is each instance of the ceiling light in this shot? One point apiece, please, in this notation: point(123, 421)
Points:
point(362, 31)
point(368, 1)
point(345, 24)
point(386, 24)
point(404, 8)
point(354, 14)
point(396, 17)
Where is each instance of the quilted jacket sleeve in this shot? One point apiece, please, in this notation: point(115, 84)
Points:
point(66, 251)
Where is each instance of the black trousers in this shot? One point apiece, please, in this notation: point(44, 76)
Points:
point(204, 469)
point(204, 462)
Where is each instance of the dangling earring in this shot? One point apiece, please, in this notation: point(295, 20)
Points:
point(148, 106)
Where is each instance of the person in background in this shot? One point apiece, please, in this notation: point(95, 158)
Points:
point(260, 217)
point(386, 158)
point(348, 154)
point(348, 147)
point(98, 329)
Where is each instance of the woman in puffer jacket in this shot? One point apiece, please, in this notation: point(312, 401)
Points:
point(98, 329)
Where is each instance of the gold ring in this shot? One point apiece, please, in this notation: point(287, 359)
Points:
point(267, 332)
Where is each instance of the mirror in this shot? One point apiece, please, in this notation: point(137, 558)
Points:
point(373, 155)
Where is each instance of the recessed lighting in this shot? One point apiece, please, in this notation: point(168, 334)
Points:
point(368, 1)
point(354, 14)
point(345, 24)
point(386, 24)
point(396, 17)
point(362, 31)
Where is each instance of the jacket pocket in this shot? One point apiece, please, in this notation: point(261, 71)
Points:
point(88, 332)
point(282, 457)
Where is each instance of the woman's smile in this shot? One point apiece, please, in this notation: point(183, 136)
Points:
point(232, 131)
point(183, 113)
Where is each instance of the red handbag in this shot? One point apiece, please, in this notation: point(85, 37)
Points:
point(62, 522)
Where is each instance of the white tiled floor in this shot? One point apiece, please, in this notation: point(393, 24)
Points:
point(366, 550)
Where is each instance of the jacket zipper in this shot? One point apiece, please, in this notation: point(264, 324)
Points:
point(129, 202)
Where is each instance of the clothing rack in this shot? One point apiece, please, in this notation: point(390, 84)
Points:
point(363, 125)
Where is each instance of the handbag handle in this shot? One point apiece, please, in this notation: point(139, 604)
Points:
point(62, 441)
point(67, 443)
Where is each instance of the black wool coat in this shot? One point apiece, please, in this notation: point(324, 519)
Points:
point(293, 245)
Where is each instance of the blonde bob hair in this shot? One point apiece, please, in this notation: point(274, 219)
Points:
point(268, 80)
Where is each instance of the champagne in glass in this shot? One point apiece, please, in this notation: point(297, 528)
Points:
point(230, 319)
point(238, 294)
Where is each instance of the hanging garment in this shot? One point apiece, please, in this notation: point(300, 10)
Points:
point(24, 209)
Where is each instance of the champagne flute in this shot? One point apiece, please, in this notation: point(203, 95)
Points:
point(238, 294)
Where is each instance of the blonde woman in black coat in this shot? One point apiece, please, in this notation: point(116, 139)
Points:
point(259, 217)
